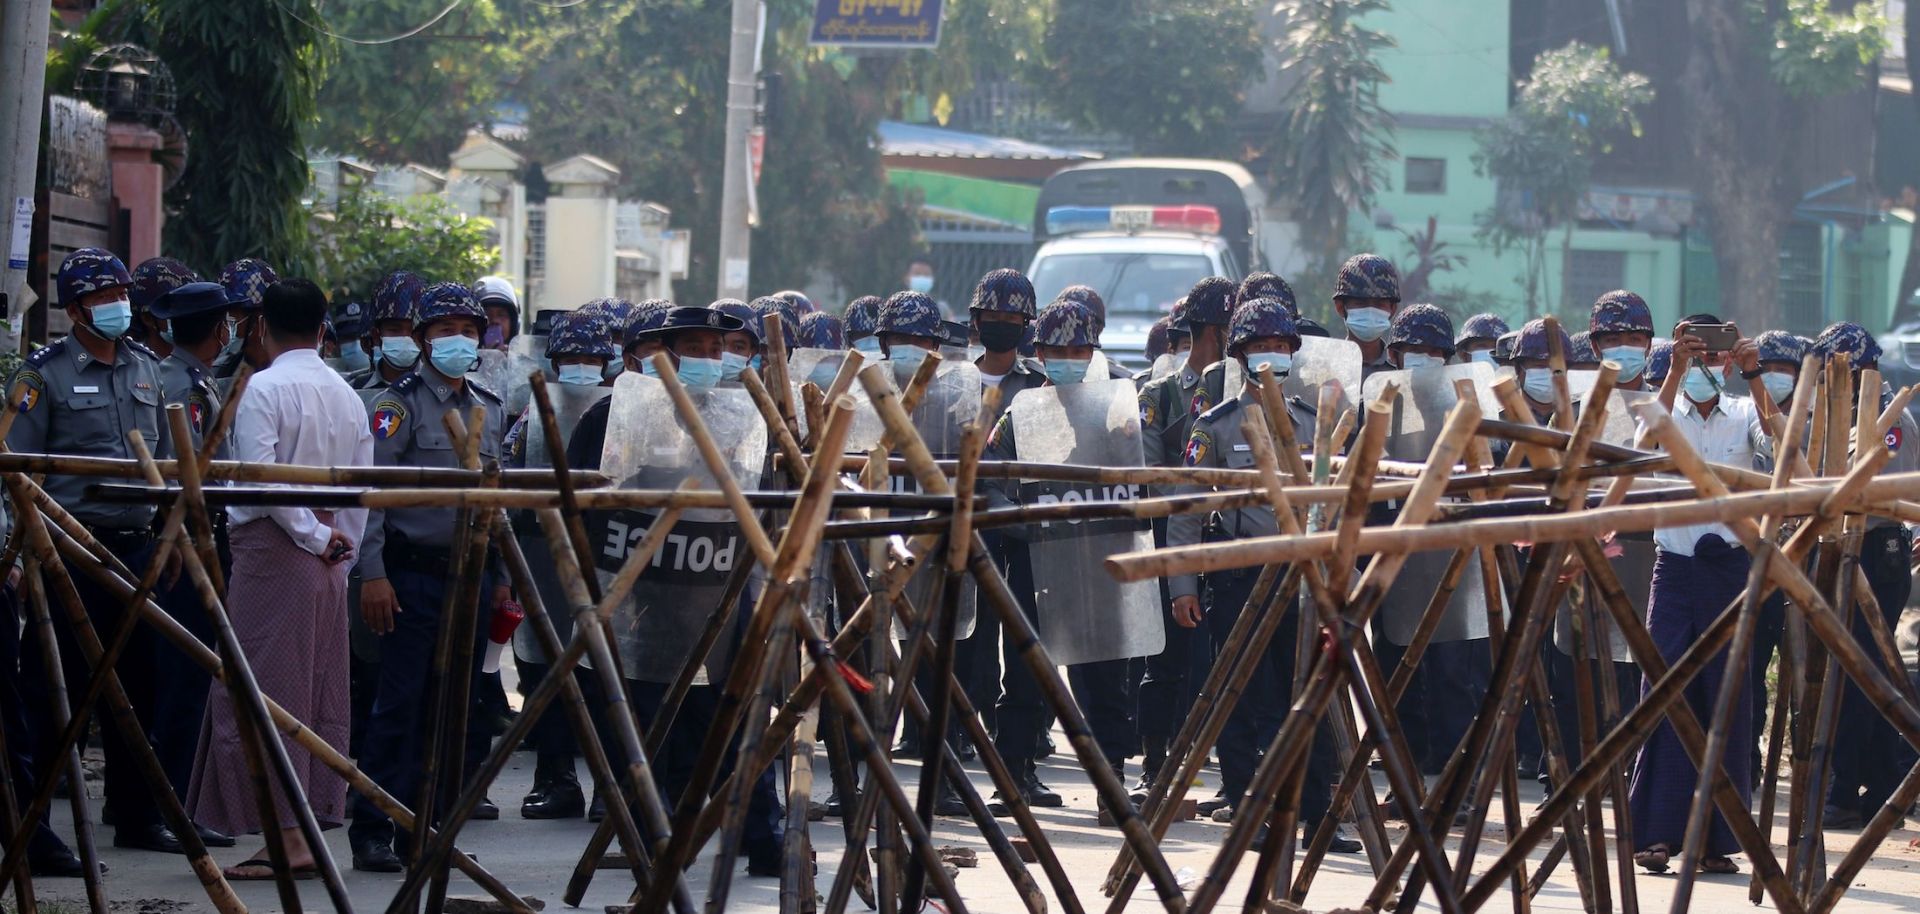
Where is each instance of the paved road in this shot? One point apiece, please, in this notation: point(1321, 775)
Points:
point(536, 857)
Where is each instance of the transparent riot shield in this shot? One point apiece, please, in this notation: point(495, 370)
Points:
point(1419, 413)
point(1166, 364)
point(1634, 562)
point(1321, 360)
point(951, 400)
point(816, 365)
point(570, 402)
point(657, 626)
point(1085, 615)
point(507, 374)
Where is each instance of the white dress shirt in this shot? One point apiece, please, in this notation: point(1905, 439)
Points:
point(1731, 434)
point(298, 411)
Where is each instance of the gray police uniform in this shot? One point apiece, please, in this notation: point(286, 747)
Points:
point(1870, 758)
point(188, 383)
point(1218, 441)
point(71, 403)
point(412, 549)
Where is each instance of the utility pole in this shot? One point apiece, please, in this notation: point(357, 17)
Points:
point(735, 235)
point(23, 81)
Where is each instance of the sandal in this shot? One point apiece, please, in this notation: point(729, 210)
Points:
point(258, 870)
point(1721, 866)
point(1653, 859)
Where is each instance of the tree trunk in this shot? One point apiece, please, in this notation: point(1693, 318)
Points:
point(1740, 162)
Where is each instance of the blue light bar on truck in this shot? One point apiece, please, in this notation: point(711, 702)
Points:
point(1066, 220)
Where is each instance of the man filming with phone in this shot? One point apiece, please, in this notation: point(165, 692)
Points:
point(1697, 571)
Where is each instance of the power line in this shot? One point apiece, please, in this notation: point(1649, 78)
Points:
point(430, 23)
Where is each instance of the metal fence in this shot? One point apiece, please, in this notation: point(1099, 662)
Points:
point(963, 250)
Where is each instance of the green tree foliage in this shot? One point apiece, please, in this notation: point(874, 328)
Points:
point(1818, 51)
point(1329, 145)
point(246, 73)
point(1167, 74)
point(1567, 112)
point(369, 234)
point(412, 100)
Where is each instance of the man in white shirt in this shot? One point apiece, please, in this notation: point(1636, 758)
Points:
point(1697, 572)
point(287, 597)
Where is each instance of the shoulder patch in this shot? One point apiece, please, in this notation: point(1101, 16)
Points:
point(46, 353)
point(1200, 403)
point(196, 412)
point(1895, 437)
point(483, 391)
point(1199, 445)
point(1149, 408)
point(388, 417)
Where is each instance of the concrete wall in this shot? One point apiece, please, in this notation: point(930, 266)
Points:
point(580, 259)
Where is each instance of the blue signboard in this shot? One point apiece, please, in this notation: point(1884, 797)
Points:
point(877, 23)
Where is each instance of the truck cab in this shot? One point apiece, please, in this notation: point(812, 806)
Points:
point(1141, 232)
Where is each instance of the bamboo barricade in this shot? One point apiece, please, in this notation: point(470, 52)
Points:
point(1576, 490)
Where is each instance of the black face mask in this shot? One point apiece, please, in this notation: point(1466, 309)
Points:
point(1000, 336)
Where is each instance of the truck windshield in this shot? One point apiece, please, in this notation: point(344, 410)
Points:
point(1130, 283)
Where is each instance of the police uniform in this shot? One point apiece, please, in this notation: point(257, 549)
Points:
point(1217, 441)
point(74, 404)
point(412, 548)
point(1101, 689)
point(1168, 406)
point(679, 753)
point(1869, 757)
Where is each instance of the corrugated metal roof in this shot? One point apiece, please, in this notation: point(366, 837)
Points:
point(921, 140)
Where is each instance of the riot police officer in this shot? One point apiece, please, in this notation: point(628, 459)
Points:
point(80, 396)
point(1621, 329)
point(154, 277)
point(862, 316)
point(820, 330)
point(1066, 337)
point(407, 556)
point(694, 339)
point(1532, 358)
point(1366, 294)
point(789, 318)
point(497, 295)
point(798, 302)
point(390, 339)
point(579, 348)
point(1262, 335)
point(196, 315)
point(1168, 406)
point(1869, 757)
point(350, 322)
point(246, 280)
point(1478, 337)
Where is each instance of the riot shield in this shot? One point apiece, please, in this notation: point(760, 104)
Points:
point(816, 365)
point(951, 400)
point(1321, 360)
point(657, 626)
point(1086, 616)
point(1166, 364)
point(1634, 564)
point(506, 374)
point(570, 402)
point(1419, 413)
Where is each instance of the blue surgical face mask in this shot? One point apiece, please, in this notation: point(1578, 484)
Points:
point(401, 352)
point(353, 357)
point(731, 364)
point(613, 369)
point(1412, 360)
point(1538, 385)
point(906, 359)
point(1067, 371)
point(647, 369)
point(869, 346)
point(1368, 324)
point(1277, 362)
point(1631, 359)
point(920, 284)
point(1779, 386)
point(1698, 385)
point(700, 374)
point(167, 334)
point(755, 364)
point(582, 375)
point(1484, 356)
point(112, 319)
point(454, 356)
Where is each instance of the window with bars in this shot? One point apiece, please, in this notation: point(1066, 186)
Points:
point(1591, 274)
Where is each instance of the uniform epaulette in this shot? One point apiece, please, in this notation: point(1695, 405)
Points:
point(407, 382)
point(140, 347)
point(481, 390)
point(1222, 411)
point(45, 354)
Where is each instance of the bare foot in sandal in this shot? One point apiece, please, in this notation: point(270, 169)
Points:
point(1654, 859)
point(1719, 866)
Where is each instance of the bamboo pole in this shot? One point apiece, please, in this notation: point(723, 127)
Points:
point(281, 473)
point(34, 584)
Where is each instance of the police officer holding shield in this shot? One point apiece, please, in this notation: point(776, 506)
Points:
point(407, 558)
point(1366, 294)
point(1262, 335)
